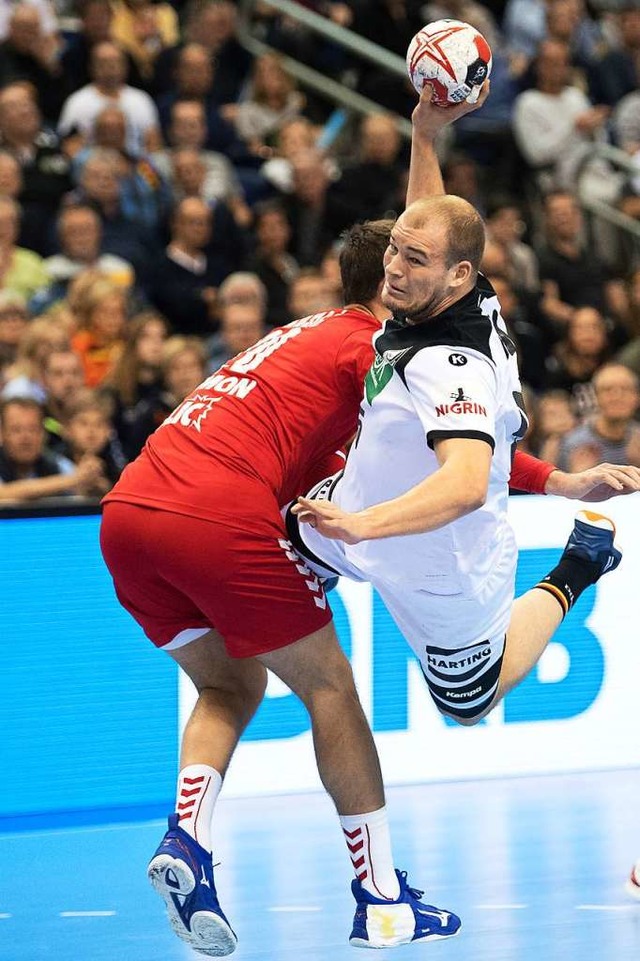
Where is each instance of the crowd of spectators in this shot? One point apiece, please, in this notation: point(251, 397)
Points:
point(166, 199)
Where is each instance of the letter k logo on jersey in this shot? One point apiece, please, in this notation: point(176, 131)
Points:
point(458, 360)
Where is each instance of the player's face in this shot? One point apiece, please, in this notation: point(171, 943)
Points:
point(416, 275)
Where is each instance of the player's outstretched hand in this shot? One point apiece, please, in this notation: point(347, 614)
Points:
point(330, 520)
point(428, 119)
point(595, 484)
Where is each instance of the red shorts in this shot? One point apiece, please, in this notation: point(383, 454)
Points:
point(180, 576)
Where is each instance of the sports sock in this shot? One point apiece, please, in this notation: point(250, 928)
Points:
point(198, 789)
point(569, 579)
point(369, 843)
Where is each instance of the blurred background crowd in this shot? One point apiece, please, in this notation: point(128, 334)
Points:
point(167, 197)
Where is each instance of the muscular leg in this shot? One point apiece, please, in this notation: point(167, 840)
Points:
point(316, 669)
point(229, 693)
point(535, 617)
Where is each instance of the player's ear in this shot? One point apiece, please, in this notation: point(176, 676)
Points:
point(461, 273)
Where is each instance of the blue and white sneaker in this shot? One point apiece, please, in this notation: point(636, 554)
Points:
point(592, 540)
point(181, 871)
point(385, 924)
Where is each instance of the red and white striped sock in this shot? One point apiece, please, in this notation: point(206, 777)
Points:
point(198, 789)
point(369, 844)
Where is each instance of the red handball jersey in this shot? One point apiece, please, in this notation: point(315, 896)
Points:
point(274, 414)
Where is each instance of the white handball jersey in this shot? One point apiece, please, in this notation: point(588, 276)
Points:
point(453, 376)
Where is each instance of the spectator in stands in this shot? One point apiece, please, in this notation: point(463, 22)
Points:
point(469, 11)
point(80, 238)
point(88, 433)
point(271, 261)
point(144, 194)
point(630, 353)
point(243, 287)
point(554, 420)
point(10, 175)
point(195, 80)
point(580, 353)
point(555, 123)
point(462, 178)
point(62, 379)
point(188, 129)
point(615, 74)
point(25, 377)
point(21, 270)
point(611, 435)
point(183, 368)
point(125, 237)
point(391, 25)
point(293, 137)
point(567, 21)
point(571, 274)
point(271, 101)
point(505, 227)
point(241, 326)
point(311, 293)
point(143, 29)
point(45, 170)
point(96, 17)
point(528, 335)
point(45, 8)
point(205, 248)
point(29, 54)
point(14, 321)
point(101, 311)
point(28, 471)
point(315, 216)
point(108, 67)
point(366, 188)
point(526, 26)
point(213, 24)
point(330, 269)
point(136, 378)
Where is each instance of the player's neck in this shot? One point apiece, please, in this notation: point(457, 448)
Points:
point(431, 311)
point(377, 308)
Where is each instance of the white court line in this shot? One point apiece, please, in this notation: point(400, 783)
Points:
point(4, 916)
point(606, 907)
point(87, 914)
point(293, 908)
point(500, 907)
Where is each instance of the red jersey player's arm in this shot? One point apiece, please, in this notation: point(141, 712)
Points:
point(529, 474)
point(596, 484)
point(427, 121)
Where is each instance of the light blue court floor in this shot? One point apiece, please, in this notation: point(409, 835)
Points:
point(534, 866)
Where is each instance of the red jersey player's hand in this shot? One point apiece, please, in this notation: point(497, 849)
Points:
point(329, 520)
point(595, 484)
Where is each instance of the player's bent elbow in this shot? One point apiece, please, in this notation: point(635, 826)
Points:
point(473, 497)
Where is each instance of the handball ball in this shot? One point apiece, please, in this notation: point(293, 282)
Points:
point(453, 57)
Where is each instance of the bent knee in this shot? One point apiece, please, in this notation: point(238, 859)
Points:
point(464, 721)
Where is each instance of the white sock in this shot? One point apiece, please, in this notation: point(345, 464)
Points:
point(198, 789)
point(369, 843)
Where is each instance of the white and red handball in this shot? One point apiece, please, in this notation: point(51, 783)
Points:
point(453, 57)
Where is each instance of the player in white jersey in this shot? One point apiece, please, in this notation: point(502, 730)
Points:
point(420, 510)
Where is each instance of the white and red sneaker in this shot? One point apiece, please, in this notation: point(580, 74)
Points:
point(632, 886)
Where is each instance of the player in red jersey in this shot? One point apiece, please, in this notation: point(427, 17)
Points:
point(193, 536)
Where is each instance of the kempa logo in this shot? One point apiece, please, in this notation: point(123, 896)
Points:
point(461, 695)
point(458, 360)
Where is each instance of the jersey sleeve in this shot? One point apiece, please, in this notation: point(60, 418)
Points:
point(454, 392)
